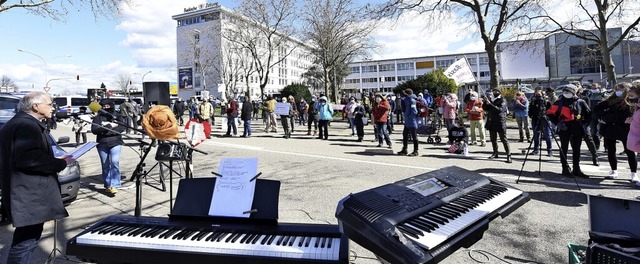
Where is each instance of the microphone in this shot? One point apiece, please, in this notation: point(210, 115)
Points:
point(97, 108)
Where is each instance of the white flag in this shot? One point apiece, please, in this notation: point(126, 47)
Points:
point(460, 72)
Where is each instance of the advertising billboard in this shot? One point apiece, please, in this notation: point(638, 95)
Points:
point(185, 78)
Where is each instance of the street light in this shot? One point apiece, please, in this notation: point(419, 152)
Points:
point(46, 80)
point(145, 75)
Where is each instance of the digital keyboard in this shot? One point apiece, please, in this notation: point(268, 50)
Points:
point(425, 218)
point(128, 239)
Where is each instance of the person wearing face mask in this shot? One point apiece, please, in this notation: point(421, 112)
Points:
point(474, 111)
point(350, 108)
point(293, 113)
point(325, 114)
point(521, 112)
point(410, 112)
point(539, 124)
point(380, 115)
point(109, 139)
point(312, 116)
point(614, 115)
point(595, 95)
point(633, 138)
point(284, 119)
point(449, 110)
point(497, 122)
point(568, 113)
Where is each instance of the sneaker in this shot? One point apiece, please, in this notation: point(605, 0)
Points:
point(112, 190)
point(403, 152)
point(521, 140)
point(549, 153)
point(379, 145)
point(413, 154)
point(389, 146)
point(612, 175)
point(535, 152)
point(634, 177)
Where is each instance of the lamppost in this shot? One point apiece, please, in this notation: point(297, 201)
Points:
point(144, 76)
point(46, 80)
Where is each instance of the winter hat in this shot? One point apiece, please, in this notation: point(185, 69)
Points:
point(570, 88)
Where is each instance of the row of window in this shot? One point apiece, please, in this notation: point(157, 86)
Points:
point(404, 78)
point(410, 65)
point(199, 19)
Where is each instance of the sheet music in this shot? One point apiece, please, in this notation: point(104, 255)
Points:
point(82, 149)
point(233, 192)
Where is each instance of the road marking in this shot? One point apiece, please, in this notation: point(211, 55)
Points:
point(570, 183)
point(315, 156)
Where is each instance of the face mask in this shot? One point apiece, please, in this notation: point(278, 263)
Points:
point(632, 100)
point(323, 103)
point(594, 90)
point(473, 98)
point(496, 94)
point(353, 101)
point(567, 95)
point(618, 93)
point(378, 100)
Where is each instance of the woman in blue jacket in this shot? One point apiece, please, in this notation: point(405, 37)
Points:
point(521, 112)
point(325, 114)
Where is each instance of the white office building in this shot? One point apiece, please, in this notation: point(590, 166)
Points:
point(551, 61)
point(206, 64)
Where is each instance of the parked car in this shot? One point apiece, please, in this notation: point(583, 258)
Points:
point(69, 178)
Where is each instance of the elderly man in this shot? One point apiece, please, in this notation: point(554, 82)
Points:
point(30, 187)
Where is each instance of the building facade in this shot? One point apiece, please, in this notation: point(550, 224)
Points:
point(210, 62)
point(551, 61)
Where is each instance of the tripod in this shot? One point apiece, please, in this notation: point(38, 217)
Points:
point(544, 123)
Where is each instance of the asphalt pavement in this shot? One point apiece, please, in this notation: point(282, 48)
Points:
point(315, 174)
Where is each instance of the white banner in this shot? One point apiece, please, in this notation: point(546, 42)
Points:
point(460, 72)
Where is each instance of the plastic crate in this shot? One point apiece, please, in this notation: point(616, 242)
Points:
point(573, 253)
point(599, 254)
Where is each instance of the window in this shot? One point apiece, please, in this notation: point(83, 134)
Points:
point(484, 61)
point(390, 79)
point(585, 59)
point(352, 81)
point(444, 63)
point(405, 66)
point(472, 61)
point(369, 80)
point(355, 69)
point(387, 67)
point(485, 74)
point(371, 68)
point(405, 78)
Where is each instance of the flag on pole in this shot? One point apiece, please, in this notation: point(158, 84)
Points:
point(460, 72)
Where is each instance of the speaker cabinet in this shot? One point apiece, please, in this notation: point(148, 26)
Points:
point(155, 93)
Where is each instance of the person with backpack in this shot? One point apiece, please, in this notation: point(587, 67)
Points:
point(567, 114)
point(496, 122)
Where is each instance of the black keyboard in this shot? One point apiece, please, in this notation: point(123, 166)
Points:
point(425, 218)
point(128, 239)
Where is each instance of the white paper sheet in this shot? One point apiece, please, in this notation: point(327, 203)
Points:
point(233, 192)
point(282, 108)
point(82, 149)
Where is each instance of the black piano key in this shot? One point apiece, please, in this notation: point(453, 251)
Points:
point(246, 238)
point(285, 241)
point(199, 235)
point(279, 241)
point(421, 224)
point(301, 242)
point(270, 241)
point(316, 242)
point(139, 231)
point(119, 231)
point(323, 243)
point(463, 203)
point(169, 232)
point(231, 236)
point(265, 239)
point(307, 240)
point(159, 231)
point(472, 198)
point(256, 239)
point(446, 213)
point(99, 228)
point(221, 236)
point(109, 229)
point(330, 242)
point(293, 239)
point(461, 209)
point(212, 236)
point(452, 210)
point(439, 219)
point(236, 237)
point(408, 231)
point(148, 231)
point(431, 222)
point(472, 203)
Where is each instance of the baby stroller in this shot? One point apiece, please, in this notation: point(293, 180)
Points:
point(430, 126)
point(458, 138)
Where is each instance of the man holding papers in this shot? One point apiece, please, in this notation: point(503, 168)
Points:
point(30, 187)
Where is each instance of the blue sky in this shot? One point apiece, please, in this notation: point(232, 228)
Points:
point(143, 40)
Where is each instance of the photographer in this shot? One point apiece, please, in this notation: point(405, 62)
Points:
point(537, 110)
point(496, 122)
point(567, 114)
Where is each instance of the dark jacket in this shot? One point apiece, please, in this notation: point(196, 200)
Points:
point(178, 108)
point(103, 131)
point(30, 187)
point(246, 111)
point(496, 115)
point(613, 116)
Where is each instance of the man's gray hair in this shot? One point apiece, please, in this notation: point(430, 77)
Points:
point(33, 98)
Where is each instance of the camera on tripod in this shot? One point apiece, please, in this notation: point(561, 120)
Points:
point(170, 151)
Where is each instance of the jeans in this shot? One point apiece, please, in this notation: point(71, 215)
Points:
point(523, 127)
point(323, 127)
point(546, 134)
point(110, 160)
point(231, 124)
point(610, 144)
point(247, 128)
point(409, 131)
point(382, 133)
point(25, 240)
point(352, 123)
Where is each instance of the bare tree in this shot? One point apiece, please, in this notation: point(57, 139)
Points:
point(493, 19)
point(264, 31)
point(202, 57)
point(591, 23)
point(6, 84)
point(123, 82)
point(58, 9)
point(339, 33)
